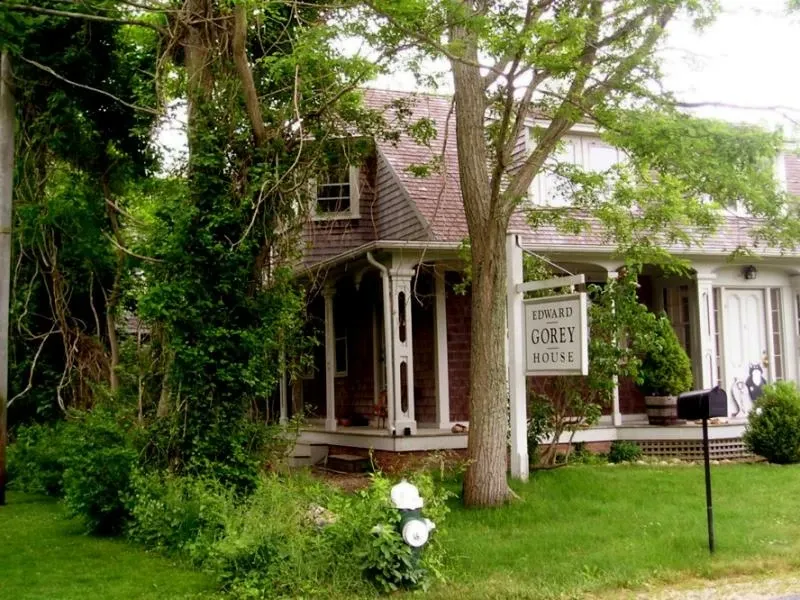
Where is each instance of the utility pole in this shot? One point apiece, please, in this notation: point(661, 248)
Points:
point(6, 190)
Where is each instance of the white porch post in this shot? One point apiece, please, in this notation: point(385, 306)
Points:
point(706, 363)
point(616, 413)
point(330, 359)
point(403, 354)
point(284, 388)
point(442, 366)
point(516, 362)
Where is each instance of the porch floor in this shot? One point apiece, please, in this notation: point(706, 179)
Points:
point(427, 437)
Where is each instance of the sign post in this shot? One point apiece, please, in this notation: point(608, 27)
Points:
point(546, 336)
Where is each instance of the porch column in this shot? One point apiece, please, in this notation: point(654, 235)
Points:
point(442, 366)
point(284, 389)
point(706, 364)
point(518, 398)
point(403, 352)
point(616, 413)
point(330, 358)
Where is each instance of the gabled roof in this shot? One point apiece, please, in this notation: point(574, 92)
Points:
point(437, 196)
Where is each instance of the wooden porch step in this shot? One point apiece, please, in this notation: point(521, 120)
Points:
point(348, 463)
point(306, 455)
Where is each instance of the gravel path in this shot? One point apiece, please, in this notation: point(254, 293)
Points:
point(786, 588)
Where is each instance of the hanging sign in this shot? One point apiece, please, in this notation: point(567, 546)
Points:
point(556, 335)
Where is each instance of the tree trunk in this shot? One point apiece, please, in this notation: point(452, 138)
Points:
point(6, 192)
point(485, 483)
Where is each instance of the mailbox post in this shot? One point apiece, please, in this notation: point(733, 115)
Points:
point(705, 404)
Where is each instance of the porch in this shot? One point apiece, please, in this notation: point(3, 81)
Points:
point(393, 371)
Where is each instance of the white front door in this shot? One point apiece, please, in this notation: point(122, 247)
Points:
point(745, 348)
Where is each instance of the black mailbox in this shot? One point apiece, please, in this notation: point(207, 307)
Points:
point(703, 404)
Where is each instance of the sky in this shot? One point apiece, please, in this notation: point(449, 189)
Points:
point(749, 57)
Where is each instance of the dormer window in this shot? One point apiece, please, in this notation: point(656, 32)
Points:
point(337, 194)
point(587, 152)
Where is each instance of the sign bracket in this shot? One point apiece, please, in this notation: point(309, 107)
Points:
point(549, 284)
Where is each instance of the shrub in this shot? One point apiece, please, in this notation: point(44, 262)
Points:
point(540, 423)
point(294, 537)
point(99, 461)
point(36, 459)
point(177, 514)
point(666, 369)
point(386, 560)
point(773, 427)
point(622, 451)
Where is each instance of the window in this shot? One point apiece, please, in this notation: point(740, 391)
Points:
point(337, 194)
point(676, 305)
point(588, 153)
point(718, 332)
point(555, 188)
point(600, 156)
point(797, 312)
point(777, 332)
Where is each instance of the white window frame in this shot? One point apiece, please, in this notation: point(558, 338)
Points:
point(537, 192)
point(353, 211)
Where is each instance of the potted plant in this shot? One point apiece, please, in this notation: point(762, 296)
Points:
point(666, 371)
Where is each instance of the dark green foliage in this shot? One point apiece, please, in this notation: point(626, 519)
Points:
point(177, 514)
point(540, 425)
point(99, 462)
point(36, 458)
point(292, 537)
point(622, 451)
point(773, 426)
point(666, 369)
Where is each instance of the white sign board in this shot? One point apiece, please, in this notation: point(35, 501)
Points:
point(556, 335)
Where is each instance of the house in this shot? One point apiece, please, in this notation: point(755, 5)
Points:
point(384, 261)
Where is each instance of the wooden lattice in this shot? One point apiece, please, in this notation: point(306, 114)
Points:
point(721, 449)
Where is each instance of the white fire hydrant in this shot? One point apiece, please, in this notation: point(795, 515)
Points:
point(414, 528)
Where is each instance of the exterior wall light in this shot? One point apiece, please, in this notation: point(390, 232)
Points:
point(415, 529)
point(750, 272)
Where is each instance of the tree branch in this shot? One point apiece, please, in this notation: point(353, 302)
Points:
point(563, 120)
point(78, 15)
point(532, 14)
point(246, 74)
point(88, 87)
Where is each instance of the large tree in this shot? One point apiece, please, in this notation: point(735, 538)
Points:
point(563, 62)
point(187, 251)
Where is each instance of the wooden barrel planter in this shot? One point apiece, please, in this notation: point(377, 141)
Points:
point(662, 410)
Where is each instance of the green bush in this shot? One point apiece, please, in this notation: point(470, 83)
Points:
point(540, 423)
point(99, 461)
point(36, 459)
point(622, 451)
point(773, 426)
point(295, 537)
point(666, 369)
point(177, 514)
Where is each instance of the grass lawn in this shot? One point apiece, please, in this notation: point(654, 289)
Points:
point(44, 556)
point(595, 529)
point(578, 530)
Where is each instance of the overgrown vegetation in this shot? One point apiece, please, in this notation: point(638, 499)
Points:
point(601, 537)
point(773, 426)
point(288, 535)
